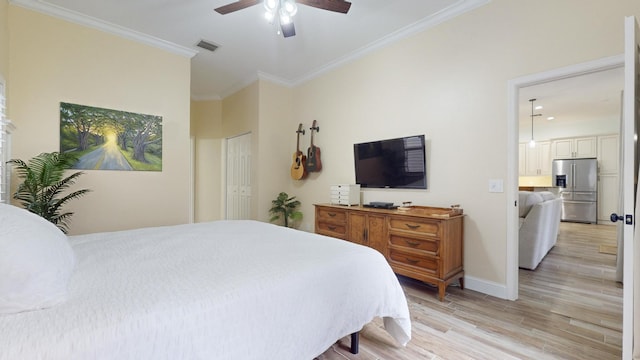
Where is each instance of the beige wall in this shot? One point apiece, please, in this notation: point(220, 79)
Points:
point(52, 61)
point(206, 130)
point(240, 116)
point(264, 109)
point(277, 133)
point(4, 39)
point(449, 83)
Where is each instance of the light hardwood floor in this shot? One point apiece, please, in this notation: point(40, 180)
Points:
point(570, 307)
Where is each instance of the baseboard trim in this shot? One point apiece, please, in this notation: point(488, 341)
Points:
point(486, 287)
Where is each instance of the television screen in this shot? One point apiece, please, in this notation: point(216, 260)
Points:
point(392, 163)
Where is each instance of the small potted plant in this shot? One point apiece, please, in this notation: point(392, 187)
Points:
point(42, 185)
point(285, 207)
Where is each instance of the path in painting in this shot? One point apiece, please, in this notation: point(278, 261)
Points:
point(106, 157)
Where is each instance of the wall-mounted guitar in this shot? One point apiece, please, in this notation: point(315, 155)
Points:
point(298, 170)
point(313, 153)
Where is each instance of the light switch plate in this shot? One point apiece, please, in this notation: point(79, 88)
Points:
point(496, 186)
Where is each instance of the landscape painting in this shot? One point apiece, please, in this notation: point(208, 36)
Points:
point(104, 139)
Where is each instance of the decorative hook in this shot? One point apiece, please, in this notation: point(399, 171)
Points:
point(315, 126)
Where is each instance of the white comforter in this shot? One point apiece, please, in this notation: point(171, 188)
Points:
point(220, 290)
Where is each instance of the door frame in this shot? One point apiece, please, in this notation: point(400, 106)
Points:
point(513, 90)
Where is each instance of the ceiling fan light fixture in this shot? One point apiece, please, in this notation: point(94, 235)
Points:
point(290, 7)
point(285, 18)
point(271, 5)
point(269, 16)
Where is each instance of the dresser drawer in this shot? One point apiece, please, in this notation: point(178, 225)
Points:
point(412, 244)
point(330, 229)
point(422, 263)
point(418, 243)
point(331, 215)
point(423, 227)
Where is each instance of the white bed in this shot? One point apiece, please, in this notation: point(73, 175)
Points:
point(219, 290)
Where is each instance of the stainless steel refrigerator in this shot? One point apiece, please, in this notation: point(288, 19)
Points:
point(577, 182)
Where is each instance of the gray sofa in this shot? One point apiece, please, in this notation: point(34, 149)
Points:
point(539, 224)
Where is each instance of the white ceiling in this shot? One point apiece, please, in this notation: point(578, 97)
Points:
point(585, 98)
point(248, 46)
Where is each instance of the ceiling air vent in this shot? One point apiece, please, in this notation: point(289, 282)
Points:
point(207, 45)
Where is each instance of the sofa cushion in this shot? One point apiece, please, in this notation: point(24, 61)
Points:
point(547, 195)
point(526, 200)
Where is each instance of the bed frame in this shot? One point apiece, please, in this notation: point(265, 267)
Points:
point(355, 340)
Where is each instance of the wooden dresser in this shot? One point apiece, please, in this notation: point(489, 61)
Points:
point(423, 243)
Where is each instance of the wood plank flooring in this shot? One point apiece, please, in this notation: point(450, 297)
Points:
point(570, 307)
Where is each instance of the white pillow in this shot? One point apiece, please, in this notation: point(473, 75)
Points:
point(36, 261)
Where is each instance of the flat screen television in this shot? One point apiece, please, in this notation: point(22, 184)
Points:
point(392, 163)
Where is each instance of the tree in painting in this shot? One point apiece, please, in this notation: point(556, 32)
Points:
point(110, 139)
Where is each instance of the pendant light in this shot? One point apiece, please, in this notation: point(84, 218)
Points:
point(532, 143)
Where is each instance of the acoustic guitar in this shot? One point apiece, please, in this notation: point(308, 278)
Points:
point(298, 170)
point(313, 152)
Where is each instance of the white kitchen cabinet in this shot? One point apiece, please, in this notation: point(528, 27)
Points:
point(609, 154)
point(608, 176)
point(578, 147)
point(608, 197)
point(537, 160)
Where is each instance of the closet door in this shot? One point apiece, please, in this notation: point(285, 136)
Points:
point(238, 177)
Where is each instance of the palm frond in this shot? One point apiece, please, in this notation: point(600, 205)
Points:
point(43, 183)
point(284, 206)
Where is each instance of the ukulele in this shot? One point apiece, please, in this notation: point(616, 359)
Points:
point(298, 170)
point(313, 152)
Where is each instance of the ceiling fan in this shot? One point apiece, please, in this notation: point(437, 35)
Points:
point(284, 10)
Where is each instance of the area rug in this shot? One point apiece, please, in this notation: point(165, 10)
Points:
point(609, 249)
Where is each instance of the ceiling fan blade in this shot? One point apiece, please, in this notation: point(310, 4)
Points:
point(340, 6)
point(235, 6)
point(288, 29)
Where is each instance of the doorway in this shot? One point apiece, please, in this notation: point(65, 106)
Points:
point(238, 179)
point(515, 87)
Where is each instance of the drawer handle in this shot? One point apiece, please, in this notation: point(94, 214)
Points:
point(412, 262)
point(332, 228)
point(412, 227)
point(331, 214)
point(411, 243)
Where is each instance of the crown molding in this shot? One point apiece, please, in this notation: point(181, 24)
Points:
point(205, 98)
point(275, 79)
point(81, 19)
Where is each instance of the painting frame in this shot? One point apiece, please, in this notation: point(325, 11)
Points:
point(107, 139)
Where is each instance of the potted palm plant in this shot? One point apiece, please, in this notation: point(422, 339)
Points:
point(43, 184)
point(285, 207)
